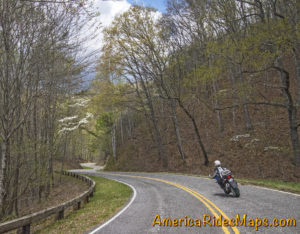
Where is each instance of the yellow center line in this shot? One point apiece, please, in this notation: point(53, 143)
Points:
point(217, 208)
point(225, 229)
point(199, 196)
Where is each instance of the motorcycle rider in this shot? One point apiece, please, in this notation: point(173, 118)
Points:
point(218, 172)
point(225, 179)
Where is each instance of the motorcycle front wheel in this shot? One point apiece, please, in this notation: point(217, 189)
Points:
point(227, 188)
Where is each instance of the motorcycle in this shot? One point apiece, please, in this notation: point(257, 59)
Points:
point(228, 183)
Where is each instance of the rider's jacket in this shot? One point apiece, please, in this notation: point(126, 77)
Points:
point(218, 171)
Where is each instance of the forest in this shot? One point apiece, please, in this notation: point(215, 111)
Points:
point(174, 91)
point(41, 67)
point(207, 80)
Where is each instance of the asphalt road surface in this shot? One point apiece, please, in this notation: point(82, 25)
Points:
point(160, 196)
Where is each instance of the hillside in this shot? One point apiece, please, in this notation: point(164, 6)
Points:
point(164, 100)
point(263, 152)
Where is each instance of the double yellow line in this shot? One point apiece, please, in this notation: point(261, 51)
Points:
point(210, 205)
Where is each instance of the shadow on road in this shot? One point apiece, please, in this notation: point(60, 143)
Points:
point(224, 195)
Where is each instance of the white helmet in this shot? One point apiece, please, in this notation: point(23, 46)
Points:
point(217, 163)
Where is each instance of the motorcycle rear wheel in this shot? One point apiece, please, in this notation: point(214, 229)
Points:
point(236, 192)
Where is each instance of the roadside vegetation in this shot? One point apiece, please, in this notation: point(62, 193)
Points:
point(85, 167)
point(293, 187)
point(41, 64)
point(110, 196)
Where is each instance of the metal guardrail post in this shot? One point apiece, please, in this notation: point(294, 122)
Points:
point(26, 229)
point(61, 214)
point(77, 206)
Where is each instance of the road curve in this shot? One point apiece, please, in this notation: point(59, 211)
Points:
point(184, 197)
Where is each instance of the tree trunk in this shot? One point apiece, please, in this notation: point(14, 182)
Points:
point(5, 147)
point(51, 152)
point(266, 111)
point(244, 103)
point(113, 141)
point(206, 161)
point(292, 112)
point(219, 114)
point(63, 157)
point(161, 154)
point(129, 128)
point(177, 130)
point(121, 129)
point(17, 173)
point(235, 96)
point(297, 67)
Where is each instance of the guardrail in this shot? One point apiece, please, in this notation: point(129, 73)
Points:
point(25, 222)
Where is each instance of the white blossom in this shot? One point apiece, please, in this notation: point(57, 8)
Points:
point(255, 140)
point(83, 121)
point(68, 118)
point(77, 125)
point(237, 137)
point(252, 142)
point(80, 102)
point(89, 115)
point(268, 148)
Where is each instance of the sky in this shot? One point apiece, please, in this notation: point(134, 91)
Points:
point(108, 9)
point(160, 5)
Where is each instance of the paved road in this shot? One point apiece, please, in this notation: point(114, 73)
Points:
point(176, 196)
point(94, 167)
